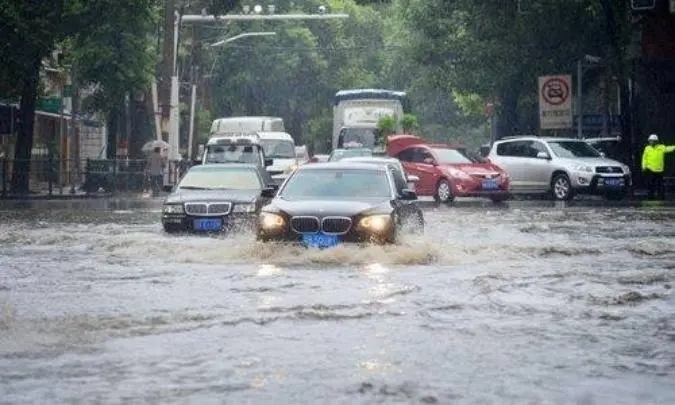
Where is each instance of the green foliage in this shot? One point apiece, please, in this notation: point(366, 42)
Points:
point(116, 54)
point(408, 123)
point(387, 125)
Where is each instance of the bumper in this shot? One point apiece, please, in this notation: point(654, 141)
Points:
point(387, 236)
point(496, 194)
point(597, 184)
point(187, 223)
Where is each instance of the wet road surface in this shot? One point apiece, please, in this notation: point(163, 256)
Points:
point(524, 304)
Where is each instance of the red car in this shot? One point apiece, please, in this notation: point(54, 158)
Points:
point(447, 171)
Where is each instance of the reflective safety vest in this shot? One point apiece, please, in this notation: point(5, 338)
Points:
point(653, 157)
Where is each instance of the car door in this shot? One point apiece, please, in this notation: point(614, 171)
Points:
point(404, 207)
point(509, 156)
point(426, 170)
point(407, 160)
point(537, 171)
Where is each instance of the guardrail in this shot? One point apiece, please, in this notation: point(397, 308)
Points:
point(52, 176)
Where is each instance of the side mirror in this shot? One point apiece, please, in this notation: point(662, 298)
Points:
point(196, 162)
point(408, 195)
point(412, 178)
point(543, 155)
point(268, 192)
point(268, 162)
point(602, 155)
point(313, 159)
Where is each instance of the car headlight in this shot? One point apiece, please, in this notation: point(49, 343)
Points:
point(583, 168)
point(375, 222)
point(459, 174)
point(269, 220)
point(173, 209)
point(625, 169)
point(243, 208)
point(290, 168)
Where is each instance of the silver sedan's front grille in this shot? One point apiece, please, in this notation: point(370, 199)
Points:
point(208, 209)
point(609, 169)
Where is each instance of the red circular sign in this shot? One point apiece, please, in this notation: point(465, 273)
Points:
point(555, 91)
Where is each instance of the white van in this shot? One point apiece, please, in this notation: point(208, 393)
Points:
point(232, 125)
point(235, 149)
point(280, 147)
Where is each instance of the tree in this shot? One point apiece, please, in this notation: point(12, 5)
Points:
point(29, 32)
point(104, 33)
point(494, 49)
point(408, 123)
point(117, 54)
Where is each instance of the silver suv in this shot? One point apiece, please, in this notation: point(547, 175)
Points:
point(560, 166)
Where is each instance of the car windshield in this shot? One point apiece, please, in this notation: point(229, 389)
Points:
point(339, 154)
point(610, 147)
point(337, 184)
point(364, 137)
point(573, 149)
point(452, 156)
point(278, 148)
point(231, 154)
point(229, 178)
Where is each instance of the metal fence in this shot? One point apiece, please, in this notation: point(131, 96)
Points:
point(53, 176)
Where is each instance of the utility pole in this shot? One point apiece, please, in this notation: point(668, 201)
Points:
point(167, 66)
point(173, 20)
point(197, 85)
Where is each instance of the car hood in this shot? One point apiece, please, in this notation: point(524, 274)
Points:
point(241, 196)
point(476, 168)
point(281, 164)
point(323, 208)
point(591, 162)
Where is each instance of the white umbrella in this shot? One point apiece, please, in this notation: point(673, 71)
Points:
point(150, 146)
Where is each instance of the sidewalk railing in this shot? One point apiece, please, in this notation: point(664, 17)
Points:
point(52, 176)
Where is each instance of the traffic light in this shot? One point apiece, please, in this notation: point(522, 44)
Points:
point(640, 5)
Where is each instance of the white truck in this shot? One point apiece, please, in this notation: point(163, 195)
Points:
point(280, 147)
point(251, 124)
point(357, 112)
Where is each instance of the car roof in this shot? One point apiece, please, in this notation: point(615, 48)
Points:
point(224, 166)
point(277, 135)
point(538, 138)
point(340, 166)
point(371, 159)
point(344, 149)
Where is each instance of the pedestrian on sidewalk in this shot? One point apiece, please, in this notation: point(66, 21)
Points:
point(653, 166)
point(155, 168)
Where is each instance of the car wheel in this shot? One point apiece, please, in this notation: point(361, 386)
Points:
point(444, 192)
point(561, 187)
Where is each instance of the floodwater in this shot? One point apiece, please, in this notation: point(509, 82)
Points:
point(530, 303)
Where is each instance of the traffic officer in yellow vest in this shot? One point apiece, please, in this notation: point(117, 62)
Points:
point(653, 166)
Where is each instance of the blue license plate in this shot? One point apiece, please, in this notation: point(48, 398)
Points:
point(613, 182)
point(210, 224)
point(490, 185)
point(320, 240)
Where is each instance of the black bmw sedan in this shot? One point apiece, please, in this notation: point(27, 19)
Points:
point(216, 197)
point(325, 204)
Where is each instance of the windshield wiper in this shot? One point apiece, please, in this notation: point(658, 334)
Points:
point(195, 188)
